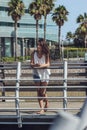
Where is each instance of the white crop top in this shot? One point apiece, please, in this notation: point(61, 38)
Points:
point(38, 60)
point(42, 73)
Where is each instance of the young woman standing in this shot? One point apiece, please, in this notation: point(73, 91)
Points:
point(40, 61)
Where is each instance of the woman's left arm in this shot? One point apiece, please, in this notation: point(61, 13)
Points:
point(47, 63)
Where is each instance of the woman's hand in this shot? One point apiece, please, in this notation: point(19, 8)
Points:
point(43, 66)
point(35, 65)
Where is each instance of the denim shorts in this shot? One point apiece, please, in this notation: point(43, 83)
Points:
point(36, 78)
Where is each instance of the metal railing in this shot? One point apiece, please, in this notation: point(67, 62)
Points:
point(59, 83)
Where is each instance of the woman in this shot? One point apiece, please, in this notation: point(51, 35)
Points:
point(40, 61)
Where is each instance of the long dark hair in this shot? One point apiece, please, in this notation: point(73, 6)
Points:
point(45, 48)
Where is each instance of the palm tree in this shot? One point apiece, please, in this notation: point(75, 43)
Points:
point(82, 19)
point(59, 17)
point(16, 10)
point(46, 7)
point(69, 36)
point(79, 37)
point(34, 10)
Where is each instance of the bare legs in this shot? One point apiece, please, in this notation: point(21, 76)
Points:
point(41, 92)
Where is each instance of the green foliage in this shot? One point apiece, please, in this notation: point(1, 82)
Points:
point(74, 52)
point(16, 9)
point(12, 59)
point(68, 53)
point(8, 59)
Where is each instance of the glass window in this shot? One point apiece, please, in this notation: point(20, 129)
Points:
point(3, 8)
point(7, 47)
point(6, 24)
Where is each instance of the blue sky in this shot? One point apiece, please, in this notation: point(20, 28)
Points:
point(75, 8)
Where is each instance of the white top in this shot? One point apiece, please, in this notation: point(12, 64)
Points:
point(42, 73)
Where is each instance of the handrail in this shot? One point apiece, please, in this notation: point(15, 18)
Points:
point(35, 87)
point(17, 94)
point(17, 98)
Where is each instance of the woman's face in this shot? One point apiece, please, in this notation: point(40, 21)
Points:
point(39, 47)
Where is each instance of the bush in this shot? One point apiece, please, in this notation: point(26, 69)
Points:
point(12, 59)
point(74, 52)
point(8, 59)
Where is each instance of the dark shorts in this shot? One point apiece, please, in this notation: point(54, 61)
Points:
point(36, 78)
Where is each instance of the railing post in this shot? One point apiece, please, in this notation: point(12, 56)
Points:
point(65, 84)
point(17, 95)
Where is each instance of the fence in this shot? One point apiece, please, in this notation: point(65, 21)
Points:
point(67, 90)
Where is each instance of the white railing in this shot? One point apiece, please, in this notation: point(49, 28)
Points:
point(29, 101)
point(17, 94)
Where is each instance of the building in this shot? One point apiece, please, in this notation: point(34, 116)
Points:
point(26, 31)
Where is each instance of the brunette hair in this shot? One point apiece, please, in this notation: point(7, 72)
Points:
point(43, 44)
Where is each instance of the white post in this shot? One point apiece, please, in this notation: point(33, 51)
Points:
point(17, 95)
point(65, 85)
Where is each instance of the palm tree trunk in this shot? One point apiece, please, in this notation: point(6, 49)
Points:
point(85, 40)
point(45, 27)
point(36, 33)
point(15, 40)
point(59, 34)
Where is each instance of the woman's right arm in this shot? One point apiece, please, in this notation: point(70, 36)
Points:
point(32, 61)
